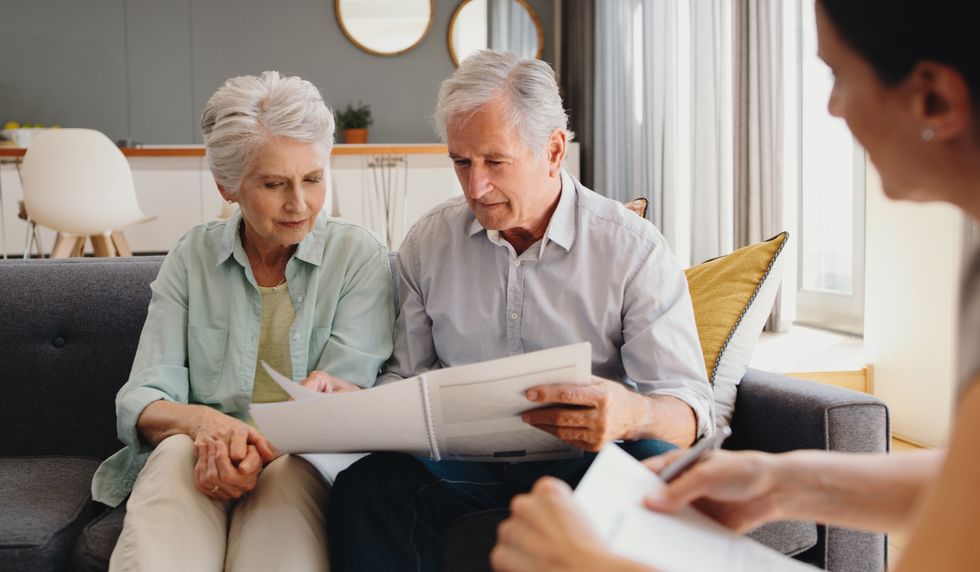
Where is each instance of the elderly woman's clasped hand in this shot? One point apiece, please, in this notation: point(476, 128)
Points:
point(230, 454)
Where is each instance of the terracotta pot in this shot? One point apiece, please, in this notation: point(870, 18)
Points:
point(355, 135)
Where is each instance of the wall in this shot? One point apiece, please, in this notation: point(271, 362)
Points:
point(913, 260)
point(144, 68)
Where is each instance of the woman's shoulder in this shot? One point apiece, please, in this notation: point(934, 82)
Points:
point(338, 234)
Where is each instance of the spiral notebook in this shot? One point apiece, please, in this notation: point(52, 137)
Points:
point(469, 412)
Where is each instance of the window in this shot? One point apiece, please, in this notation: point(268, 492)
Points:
point(831, 202)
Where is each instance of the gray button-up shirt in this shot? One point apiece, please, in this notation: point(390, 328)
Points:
point(600, 274)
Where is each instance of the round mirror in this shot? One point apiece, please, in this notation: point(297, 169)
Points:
point(385, 27)
point(509, 25)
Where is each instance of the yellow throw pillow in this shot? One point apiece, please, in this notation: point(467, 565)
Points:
point(732, 297)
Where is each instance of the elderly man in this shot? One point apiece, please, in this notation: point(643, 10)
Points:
point(529, 260)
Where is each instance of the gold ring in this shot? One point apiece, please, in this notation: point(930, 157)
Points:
point(213, 488)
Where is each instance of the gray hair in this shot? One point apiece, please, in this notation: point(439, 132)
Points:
point(529, 87)
point(248, 110)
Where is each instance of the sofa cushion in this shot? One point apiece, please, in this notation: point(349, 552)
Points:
point(94, 545)
point(45, 503)
point(732, 297)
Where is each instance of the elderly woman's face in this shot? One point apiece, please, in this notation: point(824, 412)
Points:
point(282, 193)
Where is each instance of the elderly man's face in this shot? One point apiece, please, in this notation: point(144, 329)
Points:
point(508, 186)
point(282, 193)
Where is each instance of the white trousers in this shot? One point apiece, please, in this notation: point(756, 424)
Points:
point(170, 525)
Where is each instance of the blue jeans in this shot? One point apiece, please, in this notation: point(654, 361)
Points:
point(389, 511)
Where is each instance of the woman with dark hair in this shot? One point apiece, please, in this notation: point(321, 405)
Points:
point(907, 82)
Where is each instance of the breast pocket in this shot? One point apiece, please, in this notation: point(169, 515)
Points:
point(206, 348)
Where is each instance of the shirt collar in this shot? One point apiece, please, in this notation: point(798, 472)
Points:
point(561, 227)
point(310, 249)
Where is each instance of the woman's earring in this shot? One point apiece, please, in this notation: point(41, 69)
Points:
point(928, 134)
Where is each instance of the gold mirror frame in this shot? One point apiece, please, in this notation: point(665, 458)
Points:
point(350, 37)
point(530, 11)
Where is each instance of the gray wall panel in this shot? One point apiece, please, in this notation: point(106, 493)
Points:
point(64, 62)
point(159, 65)
point(72, 60)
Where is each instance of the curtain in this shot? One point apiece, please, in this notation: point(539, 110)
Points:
point(577, 77)
point(758, 125)
point(510, 28)
point(663, 117)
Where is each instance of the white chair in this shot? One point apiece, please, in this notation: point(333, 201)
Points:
point(77, 182)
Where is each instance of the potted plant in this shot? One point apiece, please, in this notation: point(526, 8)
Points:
point(354, 121)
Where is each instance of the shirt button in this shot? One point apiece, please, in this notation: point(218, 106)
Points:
point(513, 316)
point(517, 263)
point(295, 337)
point(299, 298)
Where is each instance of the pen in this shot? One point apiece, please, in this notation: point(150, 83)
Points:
point(694, 454)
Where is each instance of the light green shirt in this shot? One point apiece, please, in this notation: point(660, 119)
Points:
point(200, 341)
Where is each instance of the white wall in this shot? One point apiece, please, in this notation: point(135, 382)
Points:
point(913, 261)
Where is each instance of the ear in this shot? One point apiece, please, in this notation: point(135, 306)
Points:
point(556, 151)
point(225, 194)
point(941, 100)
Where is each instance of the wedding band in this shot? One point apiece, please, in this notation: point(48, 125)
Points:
point(213, 488)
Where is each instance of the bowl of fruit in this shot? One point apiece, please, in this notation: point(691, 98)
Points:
point(21, 133)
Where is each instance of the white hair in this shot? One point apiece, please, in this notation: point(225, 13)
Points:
point(527, 86)
point(248, 110)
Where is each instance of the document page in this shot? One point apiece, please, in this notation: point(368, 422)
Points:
point(477, 408)
point(611, 494)
point(469, 412)
point(383, 418)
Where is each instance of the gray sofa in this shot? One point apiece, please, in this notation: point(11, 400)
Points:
point(68, 334)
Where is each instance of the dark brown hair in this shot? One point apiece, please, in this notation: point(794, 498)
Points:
point(895, 35)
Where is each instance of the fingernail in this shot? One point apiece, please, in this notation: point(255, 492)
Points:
point(655, 500)
point(532, 395)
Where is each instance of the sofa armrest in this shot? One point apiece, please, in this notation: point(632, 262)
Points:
point(777, 413)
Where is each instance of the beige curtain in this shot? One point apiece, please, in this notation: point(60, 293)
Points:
point(663, 117)
point(758, 124)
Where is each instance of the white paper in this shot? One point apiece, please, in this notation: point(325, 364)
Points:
point(383, 418)
point(476, 408)
point(295, 390)
point(475, 411)
point(611, 495)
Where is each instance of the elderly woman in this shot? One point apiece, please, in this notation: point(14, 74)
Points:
point(280, 282)
point(907, 82)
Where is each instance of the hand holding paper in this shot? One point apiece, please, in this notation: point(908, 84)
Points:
point(611, 495)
